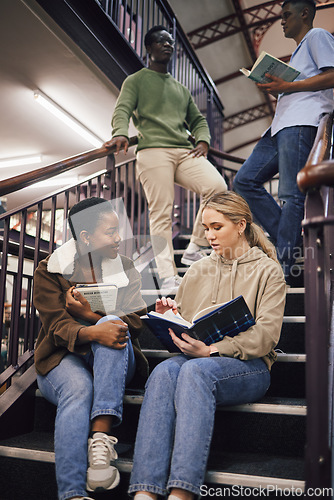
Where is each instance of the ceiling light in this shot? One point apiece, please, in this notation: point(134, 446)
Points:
point(22, 160)
point(66, 118)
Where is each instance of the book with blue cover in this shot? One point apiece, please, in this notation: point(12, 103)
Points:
point(209, 325)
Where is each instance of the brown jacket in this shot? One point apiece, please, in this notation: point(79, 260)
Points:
point(59, 330)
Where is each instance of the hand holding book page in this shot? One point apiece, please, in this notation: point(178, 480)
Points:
point(209, 325)
point(267, 63)
point(101, 296)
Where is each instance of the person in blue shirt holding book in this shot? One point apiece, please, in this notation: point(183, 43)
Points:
point(177, 416)
point(285, 146)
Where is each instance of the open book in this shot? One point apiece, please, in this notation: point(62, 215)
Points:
point(101, 296)
point(266, 63)
point(209, 325)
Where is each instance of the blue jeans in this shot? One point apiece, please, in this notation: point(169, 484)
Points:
point(285, 153)
point(83, 387)
point(177, 417)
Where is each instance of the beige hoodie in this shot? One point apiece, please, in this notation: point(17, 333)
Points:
point(215, 280)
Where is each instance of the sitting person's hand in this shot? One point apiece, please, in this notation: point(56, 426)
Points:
point(164, 304)
point(77, 305)
point(113, 333)
point(189, 346)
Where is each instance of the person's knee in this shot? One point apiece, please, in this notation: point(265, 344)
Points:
point(240, 182)
point(193, 371)
point(109, 317)
point(163, 374)
point(79, 391)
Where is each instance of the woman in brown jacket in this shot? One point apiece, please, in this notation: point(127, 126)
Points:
point(84, 360)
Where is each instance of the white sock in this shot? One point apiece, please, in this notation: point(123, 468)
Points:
point(173, 497)
point(192, 247)
point(142, 496)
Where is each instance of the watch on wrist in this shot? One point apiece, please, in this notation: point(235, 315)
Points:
point(214, 354)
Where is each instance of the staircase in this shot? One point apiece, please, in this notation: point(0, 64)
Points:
point(254, 445)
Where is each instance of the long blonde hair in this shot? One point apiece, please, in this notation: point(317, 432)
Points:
point(235, 207)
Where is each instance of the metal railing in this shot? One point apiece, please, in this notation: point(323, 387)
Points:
point(317, 180)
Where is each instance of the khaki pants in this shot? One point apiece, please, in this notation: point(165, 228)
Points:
point(158, 169)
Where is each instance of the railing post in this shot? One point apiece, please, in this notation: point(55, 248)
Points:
point(318, 455)
point(209, 115)
point(110, 176)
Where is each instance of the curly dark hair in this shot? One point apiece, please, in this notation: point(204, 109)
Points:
point(90, 211)
point(148, 37)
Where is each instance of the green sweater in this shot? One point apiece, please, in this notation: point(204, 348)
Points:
point(161, 109)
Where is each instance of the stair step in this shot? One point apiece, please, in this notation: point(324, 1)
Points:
point(237, 479)
point(292, 290)
point(278, 406)
point(229, 476)
point(269, 405)
point(294, 319)
point(27, 454)
point(180, 270)
point(281, 356)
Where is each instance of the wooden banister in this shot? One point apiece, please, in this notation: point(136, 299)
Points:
point(27, 179)
point(24, 180)
point(319, 170)
point(314, 176)
point(226, 156)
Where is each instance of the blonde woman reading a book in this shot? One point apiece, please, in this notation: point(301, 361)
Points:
point(177, 415)
point(84, 359)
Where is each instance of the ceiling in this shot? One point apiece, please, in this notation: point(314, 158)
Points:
point(214, 27)
point(37, 54)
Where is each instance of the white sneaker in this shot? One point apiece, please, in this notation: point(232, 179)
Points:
point(101, 453)
point(191, 257)
point(171, 285)
point(82, 498)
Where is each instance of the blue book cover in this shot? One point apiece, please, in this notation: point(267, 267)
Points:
point(210, 325)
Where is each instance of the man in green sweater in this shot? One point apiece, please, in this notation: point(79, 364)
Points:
point(161, 109)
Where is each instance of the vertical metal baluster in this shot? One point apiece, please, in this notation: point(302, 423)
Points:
point(133, 197)
point(16, 303)
point(90, 189)
point(131, 20)
point(65, 215)
point(143, 10)
point(52, 224)
point(98, 186)
point(3, 271)
point(33, 329)
point(26, 344)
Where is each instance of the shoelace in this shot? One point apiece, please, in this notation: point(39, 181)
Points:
point(100, 449)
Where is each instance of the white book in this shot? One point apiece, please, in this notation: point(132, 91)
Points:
point(101, 296)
